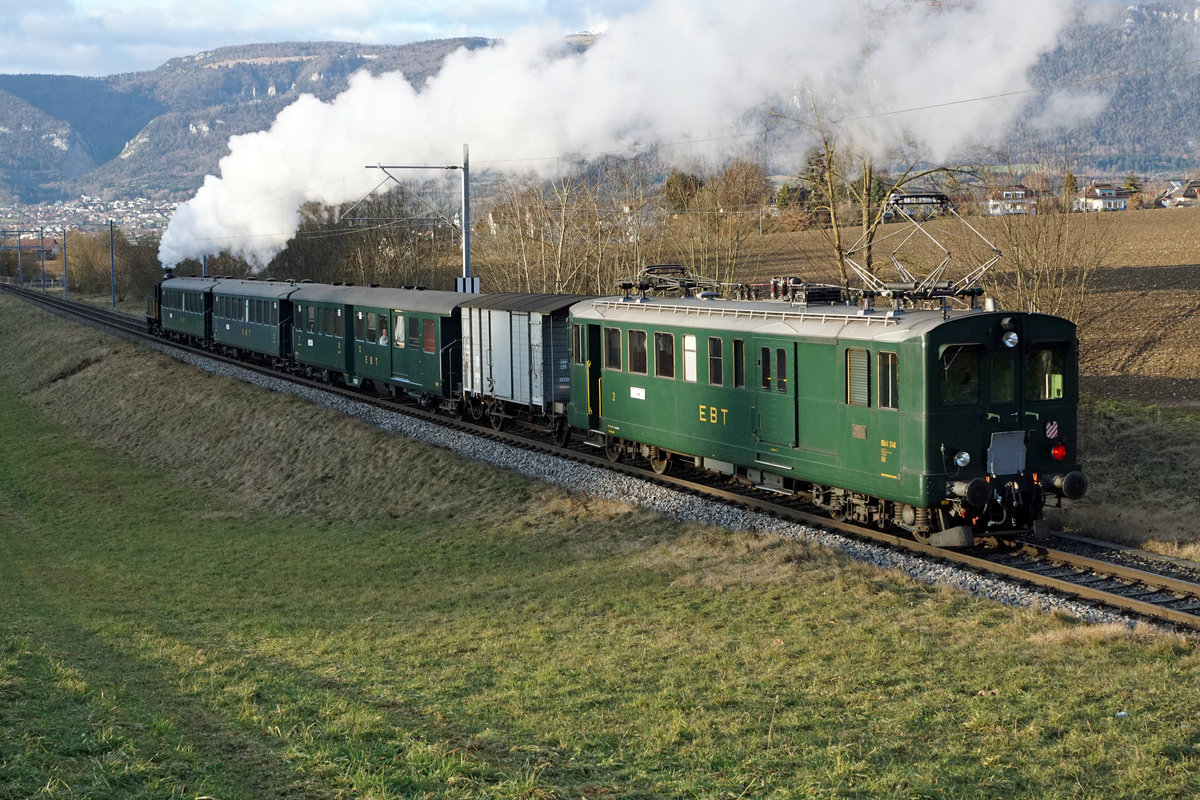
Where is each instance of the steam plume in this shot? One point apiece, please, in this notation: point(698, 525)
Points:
point(676, 71)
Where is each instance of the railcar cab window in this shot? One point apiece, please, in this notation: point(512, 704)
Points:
point(577, 344)
point(858, 377)
point(664, 355)
point(612, 348)
point(637, 352)
point(889, 381)
point(1044, 372)
point(716, 375)
point(778, 381)
point(960, 375)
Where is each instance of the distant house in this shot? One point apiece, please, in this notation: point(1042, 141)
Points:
point(39, 248)
point(1101, 197)
point(1182, 194)
point(1015, 199)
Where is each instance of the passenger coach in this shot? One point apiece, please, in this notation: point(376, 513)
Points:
point(405, 341)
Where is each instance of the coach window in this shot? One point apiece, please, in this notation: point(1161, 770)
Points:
point(889, 381)
point(398, 331)
point(372, 327)
point(739, 364)
point(360, 327)
point(716, 376)
point(330, 322)
point(781, 370)
point(960, 375)
point(339, 324)
point(637, 352)
point(1044, 372)
point(858, 377)
point(664, 355)
point(765, 361)
point(430, 338)
point(612, 348)
point(689, 358)
point(414, 333)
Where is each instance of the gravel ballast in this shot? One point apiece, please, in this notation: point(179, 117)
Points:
point(671, 503)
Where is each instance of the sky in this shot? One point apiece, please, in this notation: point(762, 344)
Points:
point(107, 37)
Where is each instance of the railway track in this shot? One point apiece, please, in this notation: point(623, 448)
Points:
point(1146, 593)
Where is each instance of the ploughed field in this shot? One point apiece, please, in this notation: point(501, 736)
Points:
point(1140, 327)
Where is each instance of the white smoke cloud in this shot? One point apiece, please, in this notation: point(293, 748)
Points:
point(675, 71)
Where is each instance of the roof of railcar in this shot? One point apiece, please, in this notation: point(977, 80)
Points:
point(767, 317)
point(189, 284)
point(532, 303)
point(245, 288)
point(419, 300)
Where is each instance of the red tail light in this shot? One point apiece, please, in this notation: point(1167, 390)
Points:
point(1059, 452)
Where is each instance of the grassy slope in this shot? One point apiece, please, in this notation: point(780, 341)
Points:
point(311, 608)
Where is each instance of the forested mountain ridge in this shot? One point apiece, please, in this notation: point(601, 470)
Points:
point(157, 133)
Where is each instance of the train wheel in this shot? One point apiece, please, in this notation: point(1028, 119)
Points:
point(612, 451)
point(476, 410)
point(460, 409)
point(661, 464)
point(496, 418)
point(923, 537)
point(562, 432)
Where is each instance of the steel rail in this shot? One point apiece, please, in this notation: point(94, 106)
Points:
point(1089, 579)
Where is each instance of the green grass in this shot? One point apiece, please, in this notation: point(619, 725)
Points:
point(171, 631)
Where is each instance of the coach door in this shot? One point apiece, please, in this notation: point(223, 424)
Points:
point(775, 392)
point(595, 365)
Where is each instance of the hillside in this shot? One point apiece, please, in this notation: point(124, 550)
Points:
point(156, 134)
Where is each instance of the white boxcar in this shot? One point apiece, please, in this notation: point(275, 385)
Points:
point(517, 348)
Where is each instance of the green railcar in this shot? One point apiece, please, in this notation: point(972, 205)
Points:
point(402, 340)
point(945, 423)
point(254, 317)
point(185, 308)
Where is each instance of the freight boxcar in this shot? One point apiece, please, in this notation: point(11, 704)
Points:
point(944, 423)
point(516, 357)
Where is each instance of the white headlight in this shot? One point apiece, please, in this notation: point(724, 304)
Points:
point(1010, 339)
point(962, 458)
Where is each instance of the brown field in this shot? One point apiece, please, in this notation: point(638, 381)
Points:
point(1141, 333)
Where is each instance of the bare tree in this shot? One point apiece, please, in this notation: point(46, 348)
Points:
point(709, 233)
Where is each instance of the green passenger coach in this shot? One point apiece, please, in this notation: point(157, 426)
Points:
point(404, 341)
point(944, 423)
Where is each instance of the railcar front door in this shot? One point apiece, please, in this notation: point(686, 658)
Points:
point(595, 364)
point(775, 392)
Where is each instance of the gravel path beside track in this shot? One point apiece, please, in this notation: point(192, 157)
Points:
point(671, 503)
